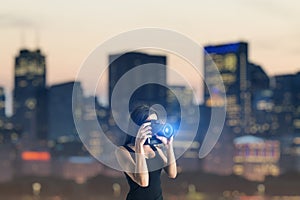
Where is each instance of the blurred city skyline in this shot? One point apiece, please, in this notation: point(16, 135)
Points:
point(260, 135)
point(67, 33)
point(253, 44)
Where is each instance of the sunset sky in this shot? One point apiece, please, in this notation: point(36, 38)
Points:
point(66, 31)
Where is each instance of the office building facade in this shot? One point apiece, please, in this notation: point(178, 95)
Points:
point(149, 94)
point(136, 75)
point(231, 61)
point(60, 117)
point(2, 103)
point(261, 121)
point(30, 96)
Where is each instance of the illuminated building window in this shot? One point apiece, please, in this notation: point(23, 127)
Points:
point(101, 113)
point(247, 151)
point(236, 129)
point(31, 68)
point(233, 122)
point(14, 137)
point(39, 71)
point(218, 59)
point(37, 156)
point(9, 126)
point(266, 127)
point(230, 62)
point(296, 123)
point(78, 113)
point(215, 102)
point(30, 76)
point(228, 78)
point(30, 103)
point(238, 169)
point(253, 129)
point(35, 83)
point(22, 83)
point(231, 99)
point(20, 71)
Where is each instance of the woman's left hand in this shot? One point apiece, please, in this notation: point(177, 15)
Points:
point(165, 140)
point(170, 160)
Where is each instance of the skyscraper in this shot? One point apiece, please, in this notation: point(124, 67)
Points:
point(94, 117)
point(284, 104)
point(137, 76)
point(232, 62)
point(149, 94)
point(262, 101)
point(286, 119)
point(66, 106)
point(186, 104)
point(60, 119)
point(296, 121)
point(2, 103)
point(29, 104)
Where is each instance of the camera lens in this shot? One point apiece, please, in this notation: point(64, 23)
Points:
point(160, 129)
point(167, 130)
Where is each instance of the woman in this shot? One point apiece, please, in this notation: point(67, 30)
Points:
point(142, 163)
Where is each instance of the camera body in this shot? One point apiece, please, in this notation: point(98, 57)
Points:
point(160, 129)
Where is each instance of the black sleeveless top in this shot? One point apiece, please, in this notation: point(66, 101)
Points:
point(153, 191)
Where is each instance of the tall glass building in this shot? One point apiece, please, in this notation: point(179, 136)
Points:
point(286, 104)
point(60, 116)
point(29, 96)
point(232, 62)
point(2, 103)
point(142, 77)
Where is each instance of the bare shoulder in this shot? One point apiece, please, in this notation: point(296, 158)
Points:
point(124, 159)
point(122, 151)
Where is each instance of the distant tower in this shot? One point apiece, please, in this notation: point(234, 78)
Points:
point(232, 63)
point(284, 104)
point(29, 103)
point(60, 118)
point(296, 121)
point(262, 102)
point(2, 103)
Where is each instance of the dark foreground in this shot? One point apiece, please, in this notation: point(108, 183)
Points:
point(189, 185)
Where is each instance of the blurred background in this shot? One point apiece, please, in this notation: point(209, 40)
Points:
point(254, 45)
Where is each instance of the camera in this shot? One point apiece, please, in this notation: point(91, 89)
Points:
point(160, 129)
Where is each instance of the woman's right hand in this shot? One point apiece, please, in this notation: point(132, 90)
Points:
point(143, 134)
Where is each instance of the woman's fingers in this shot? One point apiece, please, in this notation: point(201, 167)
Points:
point(145, 128)
point(144, 132)
point(146, 124)
point(164, 140)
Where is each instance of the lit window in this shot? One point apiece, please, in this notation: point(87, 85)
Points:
point(30, 103)
point(22, 83)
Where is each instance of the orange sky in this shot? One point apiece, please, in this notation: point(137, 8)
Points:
point(67, 31)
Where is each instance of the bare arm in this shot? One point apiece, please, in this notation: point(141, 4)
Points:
point(137, 170)
point(169, 159)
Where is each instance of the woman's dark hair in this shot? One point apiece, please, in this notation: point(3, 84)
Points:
point(138, 116)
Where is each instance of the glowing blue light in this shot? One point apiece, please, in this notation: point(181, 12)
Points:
point(168, 130)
